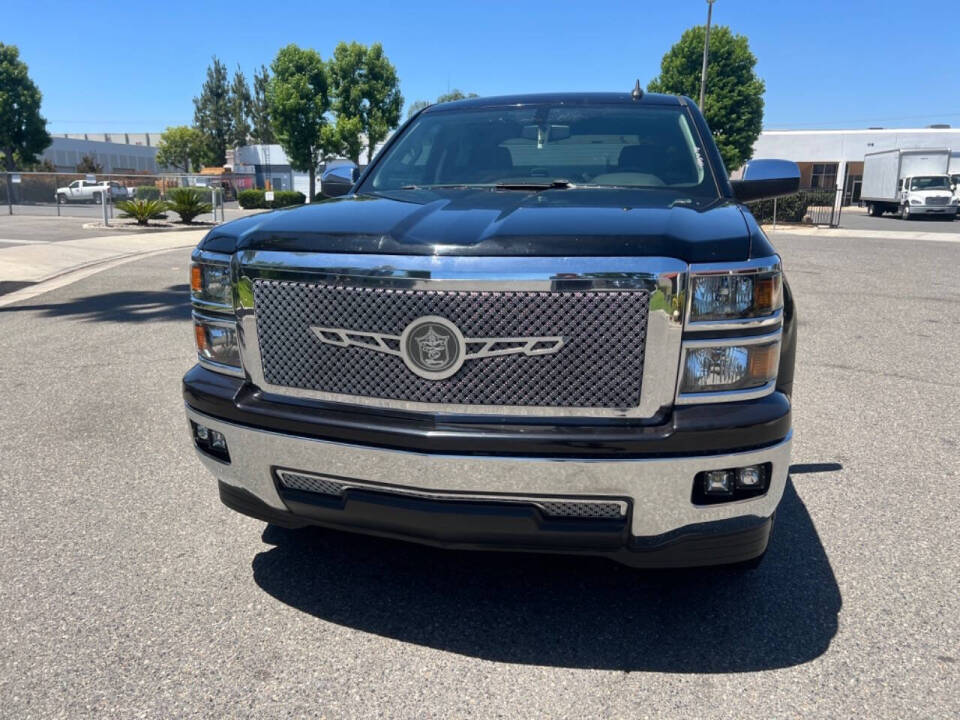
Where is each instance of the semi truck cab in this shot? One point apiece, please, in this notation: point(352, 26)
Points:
point(927, 195)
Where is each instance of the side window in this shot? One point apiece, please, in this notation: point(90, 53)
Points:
point(74, 184)
point(899, 184)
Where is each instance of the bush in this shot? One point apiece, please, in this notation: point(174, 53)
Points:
point(254, 199)
point(147, 192)
point(205, 192)
point(143, 211)
point(188, 203)
point(791, 208)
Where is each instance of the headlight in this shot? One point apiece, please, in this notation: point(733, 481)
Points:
point(914, 201)
point(217, 341)
point(210, 284)
point(214, 315)
point(729, 367)
point(735, 296)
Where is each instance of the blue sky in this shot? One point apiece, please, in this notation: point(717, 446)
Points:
point(825, 64)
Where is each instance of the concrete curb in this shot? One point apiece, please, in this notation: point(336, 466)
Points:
point(823, 232)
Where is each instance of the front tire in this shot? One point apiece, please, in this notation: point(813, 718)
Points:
point(905, 212)
point(61, 199)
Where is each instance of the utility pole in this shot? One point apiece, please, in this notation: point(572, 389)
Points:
point(706, 54)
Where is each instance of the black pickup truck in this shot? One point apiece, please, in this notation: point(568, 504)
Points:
point(541, 323)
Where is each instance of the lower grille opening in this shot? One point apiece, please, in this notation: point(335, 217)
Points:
point(567, 508)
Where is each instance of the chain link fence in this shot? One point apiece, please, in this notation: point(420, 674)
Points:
point(82, 194)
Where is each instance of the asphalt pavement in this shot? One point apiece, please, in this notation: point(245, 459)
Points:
point(39, 224)
point(127, 590)
point(854, 218)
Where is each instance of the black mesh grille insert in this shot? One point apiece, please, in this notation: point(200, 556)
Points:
point(600, 364)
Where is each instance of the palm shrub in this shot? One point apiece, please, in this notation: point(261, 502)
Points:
point(187, 203)
point(141, 210)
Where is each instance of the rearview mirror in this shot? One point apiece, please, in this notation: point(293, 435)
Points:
point(764, 179)
point(338, 180)
point(545, 133)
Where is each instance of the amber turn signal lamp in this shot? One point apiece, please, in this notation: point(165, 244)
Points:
point(762, 361)
point(200, 333)
point(196, 279)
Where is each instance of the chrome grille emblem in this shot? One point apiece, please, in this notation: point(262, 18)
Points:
point(433, 348)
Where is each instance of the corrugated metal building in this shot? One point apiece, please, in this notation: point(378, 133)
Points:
point(117, 158)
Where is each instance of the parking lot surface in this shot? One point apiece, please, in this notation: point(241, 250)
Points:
point(40, 223)
point(854, 218)
point(128, 590)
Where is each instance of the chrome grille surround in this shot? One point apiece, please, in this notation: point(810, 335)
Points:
point(938, 201)
point(592, 509)
point(662, 280)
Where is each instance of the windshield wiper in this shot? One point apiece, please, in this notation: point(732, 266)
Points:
point(558, 184)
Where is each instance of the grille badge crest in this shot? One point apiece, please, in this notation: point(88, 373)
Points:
point(434, 348)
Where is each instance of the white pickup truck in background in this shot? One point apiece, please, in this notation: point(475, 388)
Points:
point(86, 191)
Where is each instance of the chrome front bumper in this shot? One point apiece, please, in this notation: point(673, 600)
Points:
point(659, 489)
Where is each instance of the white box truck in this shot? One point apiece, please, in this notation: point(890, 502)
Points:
point(910, 183)
point(955, 173)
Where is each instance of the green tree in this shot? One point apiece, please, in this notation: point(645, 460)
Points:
point(211, 113)
point(241, 104)
point(416, 106)
point(455, 94)
point(262, 131)
point(181, 148)
point(23, 130)
point(365, 86)
point(88, 164)
point(298, 102)
point(733, 105)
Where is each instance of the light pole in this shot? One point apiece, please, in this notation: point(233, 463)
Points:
point(706, 54)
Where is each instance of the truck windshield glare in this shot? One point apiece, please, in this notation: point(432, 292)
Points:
point(548, 147)
point(930, 183)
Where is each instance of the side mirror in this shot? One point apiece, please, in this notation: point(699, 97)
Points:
point(338, 180)
point(763, 179)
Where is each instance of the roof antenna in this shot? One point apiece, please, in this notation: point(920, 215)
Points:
point(637, 91)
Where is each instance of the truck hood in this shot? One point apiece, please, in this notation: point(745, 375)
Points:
point(501, 223)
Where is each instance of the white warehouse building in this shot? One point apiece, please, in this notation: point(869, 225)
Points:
point(834, 158)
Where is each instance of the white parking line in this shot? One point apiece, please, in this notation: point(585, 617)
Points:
point(24, 242)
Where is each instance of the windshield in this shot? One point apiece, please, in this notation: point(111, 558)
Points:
point(555, 145)
point(935, 182)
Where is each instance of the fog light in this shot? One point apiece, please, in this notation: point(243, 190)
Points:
point(718, 482)
point(210, 442)
point(749, 478)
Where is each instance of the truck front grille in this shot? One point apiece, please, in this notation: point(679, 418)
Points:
point(600, 364)
point(551, 507)
point(937, 200)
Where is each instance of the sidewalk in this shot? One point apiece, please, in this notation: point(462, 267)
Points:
point(825, 232)
point(24, 267)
